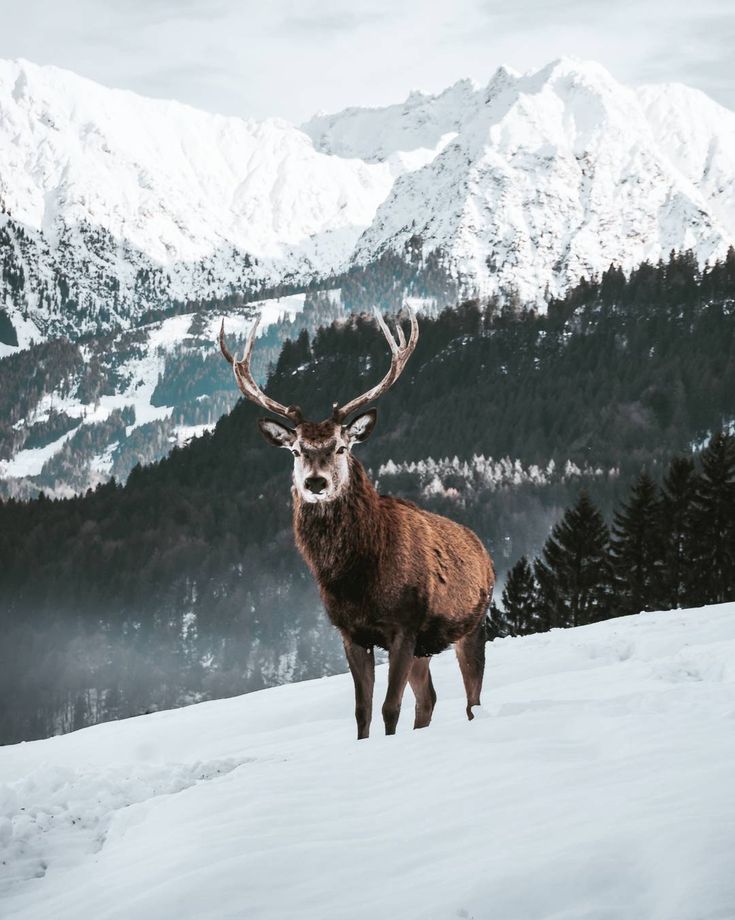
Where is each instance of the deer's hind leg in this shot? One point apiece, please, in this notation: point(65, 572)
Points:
point(423, 689)
point(470, 651)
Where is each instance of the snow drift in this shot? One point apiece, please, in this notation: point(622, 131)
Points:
point(597, 785)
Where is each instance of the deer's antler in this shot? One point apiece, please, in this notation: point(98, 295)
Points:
point(246, 381)
point(401, 351)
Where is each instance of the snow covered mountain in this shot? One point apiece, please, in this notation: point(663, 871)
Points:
point(553, 175)
point(112, 204)
point(597, 782)
point(128, 201)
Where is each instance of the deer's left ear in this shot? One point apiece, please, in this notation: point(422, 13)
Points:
point(361, 427)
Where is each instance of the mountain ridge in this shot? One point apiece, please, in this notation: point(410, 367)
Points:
point(112, 204)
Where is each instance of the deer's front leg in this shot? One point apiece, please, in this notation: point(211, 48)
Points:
point(362, 665)
point(400, 657)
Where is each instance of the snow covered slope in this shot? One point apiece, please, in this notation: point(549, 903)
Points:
point(111, 204)
point(597, 784)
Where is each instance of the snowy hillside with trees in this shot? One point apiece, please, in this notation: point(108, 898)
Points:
point(184, 584)
point(74, 415)
point(596, 783)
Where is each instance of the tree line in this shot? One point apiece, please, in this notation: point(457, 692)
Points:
point(671, 545)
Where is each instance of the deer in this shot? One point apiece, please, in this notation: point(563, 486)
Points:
point(389, 573)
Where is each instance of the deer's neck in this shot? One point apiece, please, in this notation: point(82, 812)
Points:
point(338, 537)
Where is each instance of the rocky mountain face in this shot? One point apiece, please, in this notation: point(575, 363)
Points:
point(112, 205)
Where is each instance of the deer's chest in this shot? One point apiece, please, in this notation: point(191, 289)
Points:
point(371, 614)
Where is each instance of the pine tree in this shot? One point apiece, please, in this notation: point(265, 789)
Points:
point(8, 335)
point(574, 574)
point(677, 502)
point(713, 523)
point(302, 348)
point(637, 549)
point(521, 614)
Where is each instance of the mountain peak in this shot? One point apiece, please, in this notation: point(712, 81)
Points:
point(570, 65)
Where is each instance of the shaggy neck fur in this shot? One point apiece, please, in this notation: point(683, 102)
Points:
point(337, 537)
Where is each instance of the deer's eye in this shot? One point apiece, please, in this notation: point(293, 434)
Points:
point(341, 450)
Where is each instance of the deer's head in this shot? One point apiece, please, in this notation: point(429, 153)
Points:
point(321, 450)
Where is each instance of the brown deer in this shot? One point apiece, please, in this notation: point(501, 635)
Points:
point(390, 574)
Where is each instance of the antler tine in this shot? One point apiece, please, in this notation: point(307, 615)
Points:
point(222, 347)
point(249, 342)
point(246, 381)
point(386, 331)
point(401, 351)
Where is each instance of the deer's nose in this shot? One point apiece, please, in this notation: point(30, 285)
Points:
point(315, 484)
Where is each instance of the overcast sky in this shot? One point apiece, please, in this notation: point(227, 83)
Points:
point(294, 57)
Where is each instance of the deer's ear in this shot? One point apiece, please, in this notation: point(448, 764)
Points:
point(276, 434)
point(361, 428)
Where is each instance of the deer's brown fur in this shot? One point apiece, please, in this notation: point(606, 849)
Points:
point(386, 567)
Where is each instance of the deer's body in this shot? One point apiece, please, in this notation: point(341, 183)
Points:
point(390, 574)
point(385, 567)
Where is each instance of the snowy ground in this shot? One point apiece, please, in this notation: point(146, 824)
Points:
point(598, 785)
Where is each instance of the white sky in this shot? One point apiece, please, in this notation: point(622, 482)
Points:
point(294, 57)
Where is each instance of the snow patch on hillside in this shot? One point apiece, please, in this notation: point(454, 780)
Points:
point(596, 784)
point(31, 461)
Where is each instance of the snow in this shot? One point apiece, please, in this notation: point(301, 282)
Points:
point(596, 785)
point(172, 181)
point(25, 330)
point(101, 464)
point(30, 462)
point(277, 309)
point(182, 434)
point(699, 138)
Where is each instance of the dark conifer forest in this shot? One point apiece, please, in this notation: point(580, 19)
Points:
point(669, 547)
point(611, 490)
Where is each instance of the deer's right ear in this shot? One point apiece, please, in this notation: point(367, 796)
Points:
point(276, 434)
